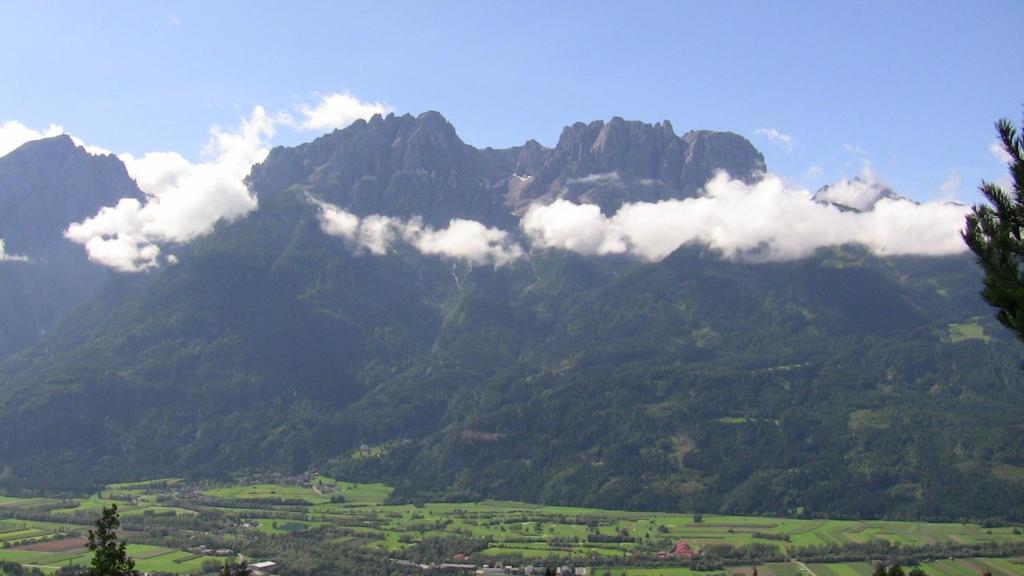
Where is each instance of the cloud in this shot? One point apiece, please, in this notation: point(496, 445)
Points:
point(950, 186)
point(786, 141)
point(999, 153)
point(856, 151)
point(859, 193)
point(5, 257)
point(13, 134)
point(184, 200)
point(338, 110)
point(757, 222)
point(595, 179)
point(466, 240)
point(574, 227)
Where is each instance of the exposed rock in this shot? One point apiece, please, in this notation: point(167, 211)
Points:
point(405, 165)
point(44, 186)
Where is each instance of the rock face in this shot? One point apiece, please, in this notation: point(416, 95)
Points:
point(47, 184)
point(407, 165)
point(44, 186)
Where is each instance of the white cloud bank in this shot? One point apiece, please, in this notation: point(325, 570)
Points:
point(466, 240)
point(5, 257)
point(185, 200)
point(757, 222)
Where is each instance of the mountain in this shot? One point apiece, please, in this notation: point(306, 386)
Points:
point(44, 186)
point(418, 166)
point(842, 384)
point(856, 194)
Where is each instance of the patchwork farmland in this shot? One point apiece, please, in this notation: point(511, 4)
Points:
point(179, 527)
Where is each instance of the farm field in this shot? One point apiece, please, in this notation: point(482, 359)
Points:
point(160, 515)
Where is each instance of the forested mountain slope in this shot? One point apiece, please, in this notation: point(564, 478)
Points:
point(840, 384)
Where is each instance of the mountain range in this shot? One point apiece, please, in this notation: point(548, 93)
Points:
point(842, 384)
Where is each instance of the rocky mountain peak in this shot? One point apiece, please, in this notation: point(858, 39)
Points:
point(418, 165)
point(44, 186)
point(47, 184)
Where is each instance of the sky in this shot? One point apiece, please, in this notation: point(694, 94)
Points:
point(820, 87)
point(191, 94)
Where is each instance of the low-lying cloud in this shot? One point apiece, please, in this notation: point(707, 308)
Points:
point(758, 222)
point(466, 240)
point(185, 200)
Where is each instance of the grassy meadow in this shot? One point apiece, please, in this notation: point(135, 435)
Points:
point(48, 533)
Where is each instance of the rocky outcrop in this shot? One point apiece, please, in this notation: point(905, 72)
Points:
point(405, 165)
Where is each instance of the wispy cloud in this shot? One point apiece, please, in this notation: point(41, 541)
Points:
point(856, 151)
point(950, 186)
point(785, 141)
point(5, 257)
point(594, 179)
point(999, 153)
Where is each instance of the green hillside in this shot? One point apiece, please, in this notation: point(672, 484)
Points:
point(835, 385)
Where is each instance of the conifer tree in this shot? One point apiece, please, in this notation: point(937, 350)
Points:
point(994, 233)
point(110, 557)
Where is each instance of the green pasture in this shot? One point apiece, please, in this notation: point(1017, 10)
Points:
point(516, 530)
point(147, 559)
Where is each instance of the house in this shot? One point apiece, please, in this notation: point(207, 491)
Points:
point(683, 550)
point(262, 567)
point(453, 567)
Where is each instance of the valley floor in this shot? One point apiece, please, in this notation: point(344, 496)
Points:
point(313, 524)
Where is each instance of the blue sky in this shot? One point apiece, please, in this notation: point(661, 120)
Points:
point(913, 87)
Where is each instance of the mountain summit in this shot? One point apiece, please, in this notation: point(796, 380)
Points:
point(44, 186)
point(406, 165)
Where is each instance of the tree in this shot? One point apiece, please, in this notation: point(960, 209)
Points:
point(109, 555)
point(994, 233)
point(917, 572)
point(238, 568)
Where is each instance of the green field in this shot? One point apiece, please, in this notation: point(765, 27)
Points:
point(512, 532)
